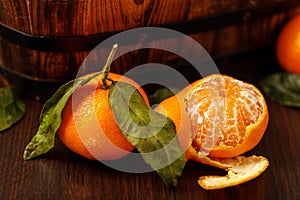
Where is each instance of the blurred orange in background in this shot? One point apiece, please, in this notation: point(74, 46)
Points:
point(288, 46)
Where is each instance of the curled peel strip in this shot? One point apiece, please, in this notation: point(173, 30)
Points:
point(240, 170)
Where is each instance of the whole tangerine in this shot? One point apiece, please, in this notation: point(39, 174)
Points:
point(88, 125)
point(288, 46)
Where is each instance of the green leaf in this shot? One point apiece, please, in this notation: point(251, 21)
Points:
point(151, 133)
point(12, 108)
point(161, 94)
point(283, 88)
point(50, 118)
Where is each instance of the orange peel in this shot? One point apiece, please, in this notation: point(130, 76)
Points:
point(240, 170)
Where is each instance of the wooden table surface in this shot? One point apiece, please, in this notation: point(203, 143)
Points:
point(61, 174)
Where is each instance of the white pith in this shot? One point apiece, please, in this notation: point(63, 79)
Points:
point(218, 125)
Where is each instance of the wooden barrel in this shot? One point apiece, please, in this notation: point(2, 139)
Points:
point(44, 42)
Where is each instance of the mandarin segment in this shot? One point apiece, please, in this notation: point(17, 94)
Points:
point(220, 110)
point(219, 115)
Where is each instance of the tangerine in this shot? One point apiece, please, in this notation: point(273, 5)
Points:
point(288, 46)
point(218, 116)
point(88, 125)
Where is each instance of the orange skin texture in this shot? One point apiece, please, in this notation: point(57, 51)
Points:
point(174, 107)
point(288, 46)
point(89, 128)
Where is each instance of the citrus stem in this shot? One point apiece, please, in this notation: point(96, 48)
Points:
point(106, 68)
